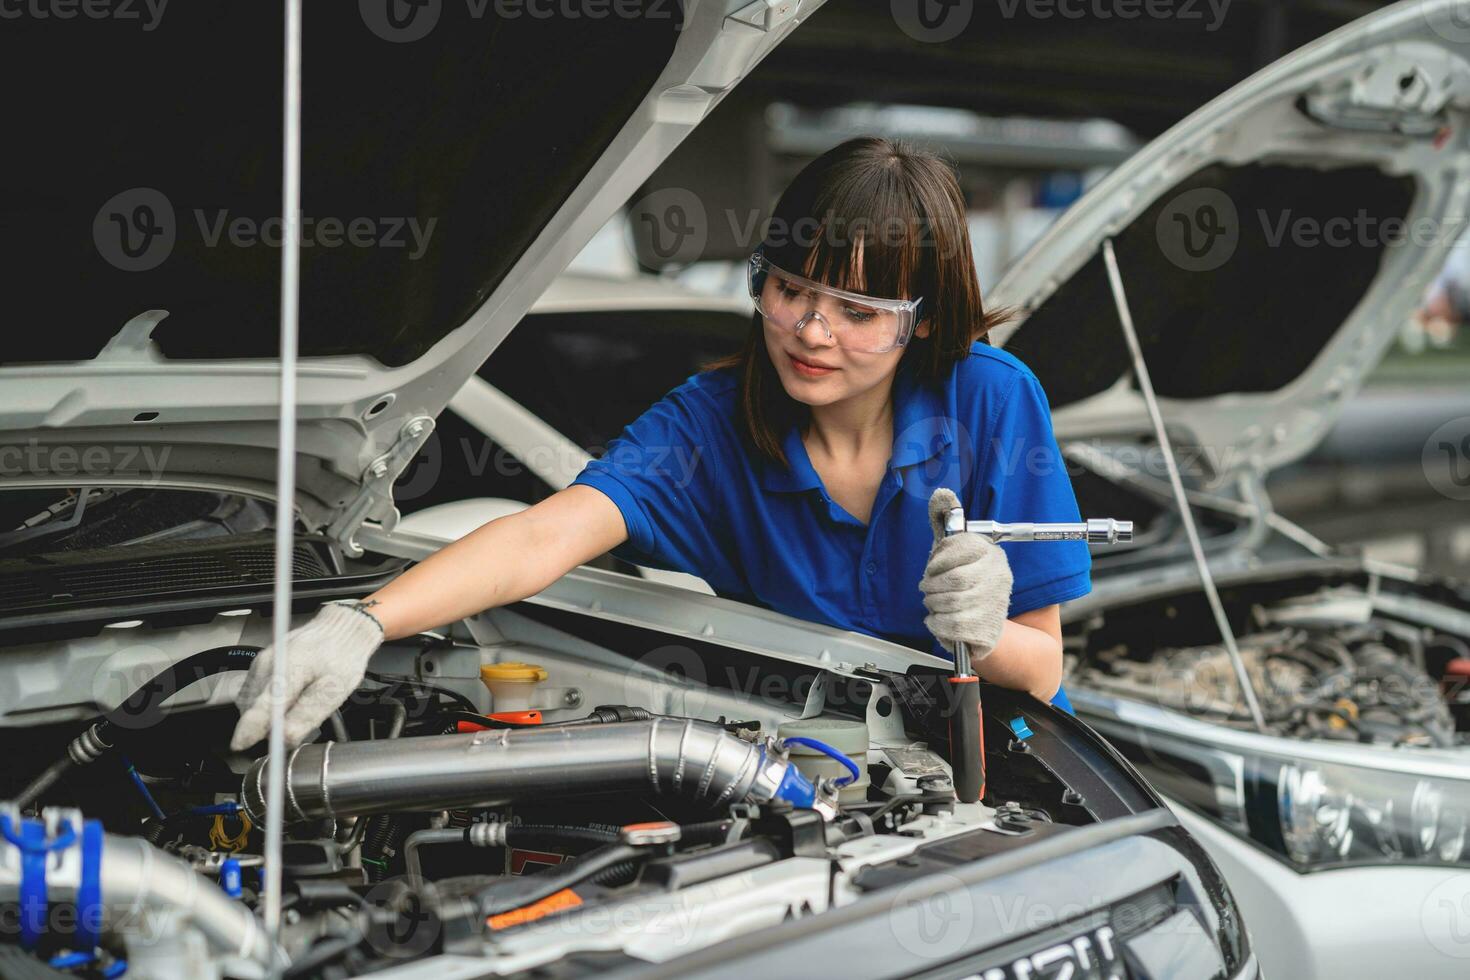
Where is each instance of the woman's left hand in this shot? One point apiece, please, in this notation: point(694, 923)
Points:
point(966, 584)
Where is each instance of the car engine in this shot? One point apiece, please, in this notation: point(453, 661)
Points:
point(423, 824)
point(1323, 665)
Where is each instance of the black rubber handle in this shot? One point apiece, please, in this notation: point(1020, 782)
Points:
point(966, 739)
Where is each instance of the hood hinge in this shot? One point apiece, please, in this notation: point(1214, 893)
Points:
point(374, 498)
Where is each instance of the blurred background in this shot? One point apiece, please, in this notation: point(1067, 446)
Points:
point(1034, 101)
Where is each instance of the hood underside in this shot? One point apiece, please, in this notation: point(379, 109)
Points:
point(452, 165)
point(1270, 246)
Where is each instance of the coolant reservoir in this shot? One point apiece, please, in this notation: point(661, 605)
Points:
point(512, 684)
point(848, 737)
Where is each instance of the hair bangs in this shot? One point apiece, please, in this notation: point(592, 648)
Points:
point(863, 235)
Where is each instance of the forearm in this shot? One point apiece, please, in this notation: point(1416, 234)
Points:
point(1025, 659)
point(501, 562)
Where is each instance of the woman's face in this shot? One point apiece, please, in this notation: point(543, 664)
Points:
point(815, 371)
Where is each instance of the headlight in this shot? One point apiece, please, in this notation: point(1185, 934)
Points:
point(1315, 805)
point(1319, 814)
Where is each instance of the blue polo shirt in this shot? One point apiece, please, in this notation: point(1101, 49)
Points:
point(696, 499)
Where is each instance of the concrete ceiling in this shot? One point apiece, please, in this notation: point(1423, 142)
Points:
point(1050, 58)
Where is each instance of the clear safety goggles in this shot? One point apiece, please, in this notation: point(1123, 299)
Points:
point(854, 321)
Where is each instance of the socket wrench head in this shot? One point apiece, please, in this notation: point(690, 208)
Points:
point(955, 522)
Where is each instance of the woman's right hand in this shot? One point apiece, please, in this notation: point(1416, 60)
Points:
point(329, 658)
point(966, 584)
point(504, 561)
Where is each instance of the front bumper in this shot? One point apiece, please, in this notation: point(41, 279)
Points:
point(947, 915)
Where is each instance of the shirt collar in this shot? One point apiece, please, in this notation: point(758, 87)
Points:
point(921, 430)
point(798, 473)
point(921, 425)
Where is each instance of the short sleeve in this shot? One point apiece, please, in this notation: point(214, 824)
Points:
point(1026, 479)
point(660, 472)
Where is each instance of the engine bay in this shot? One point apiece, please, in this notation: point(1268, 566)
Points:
point(1349, 661)
point(491, 793)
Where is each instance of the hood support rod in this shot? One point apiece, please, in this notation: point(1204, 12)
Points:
point(1140, 370)
point(285, 464)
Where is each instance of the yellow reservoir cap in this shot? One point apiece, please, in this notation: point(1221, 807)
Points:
point(513, 672)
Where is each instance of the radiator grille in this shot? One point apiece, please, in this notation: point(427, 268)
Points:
point(124, 572)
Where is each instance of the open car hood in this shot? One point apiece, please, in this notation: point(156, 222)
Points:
point(1271, 245)
point(474, 160)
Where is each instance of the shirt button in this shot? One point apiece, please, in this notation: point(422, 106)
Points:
point(872, 567)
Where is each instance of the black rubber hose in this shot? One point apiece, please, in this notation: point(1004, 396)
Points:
point(612, 864)
point(139, 707)
point(535, 835)
point(43, 782)
point(608, 714)
point(619, 874)
point(393, 681)
point(515, 892)
point(380, 838)
point(148, 699)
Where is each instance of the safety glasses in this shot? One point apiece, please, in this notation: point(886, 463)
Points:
point(853, 321)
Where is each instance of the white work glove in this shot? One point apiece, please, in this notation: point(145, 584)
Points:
point(966, 584)
point(329, 657)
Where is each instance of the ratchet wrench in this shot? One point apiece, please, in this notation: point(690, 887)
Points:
point(966, 727)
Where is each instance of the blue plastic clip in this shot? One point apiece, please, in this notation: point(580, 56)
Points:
point(228, 809)
point(31, 841)
point(89, 891)
point(70, 961)
point(230, 877)
point(1019, 728)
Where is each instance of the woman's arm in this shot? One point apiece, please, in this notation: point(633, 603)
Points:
point(506, 560)
point(1028, 656)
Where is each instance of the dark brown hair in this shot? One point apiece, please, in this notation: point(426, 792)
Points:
point(899, 212)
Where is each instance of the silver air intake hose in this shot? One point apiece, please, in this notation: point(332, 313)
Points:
point(696, 760)
point(140, 893)
point(140, 876)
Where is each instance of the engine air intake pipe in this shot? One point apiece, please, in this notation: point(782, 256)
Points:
point(115, 885)
point(693, 759)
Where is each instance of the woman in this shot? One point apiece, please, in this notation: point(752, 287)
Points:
point(806, 473)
